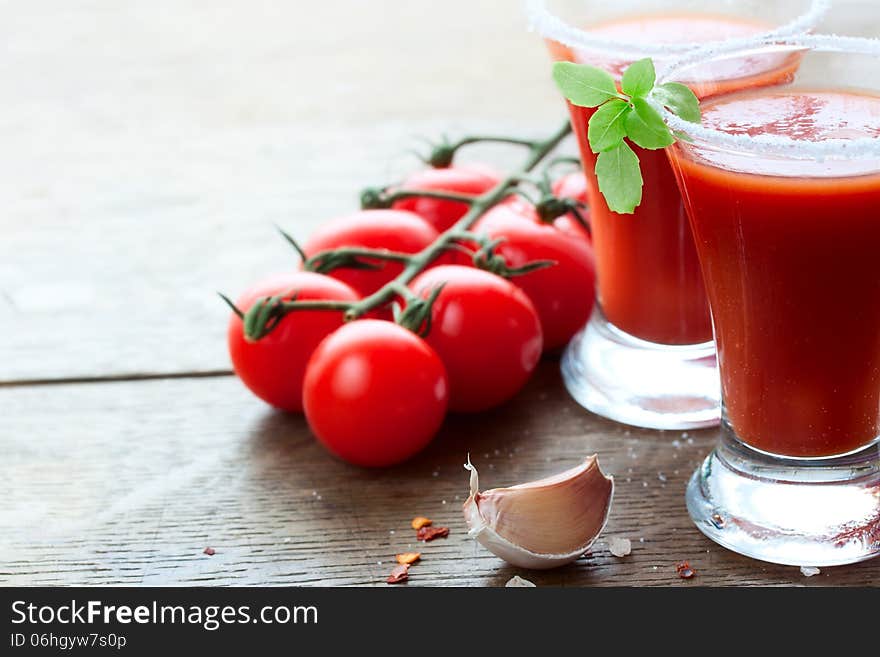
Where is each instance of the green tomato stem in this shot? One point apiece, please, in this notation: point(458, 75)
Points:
point(401, 194)
point(313, 263)
point(444, 153)
point(537, 152)
point(529, 143)
point(266, 313)
point(380, 198)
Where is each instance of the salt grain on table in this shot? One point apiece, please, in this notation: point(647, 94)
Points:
point(809, 571)
point(619, 547)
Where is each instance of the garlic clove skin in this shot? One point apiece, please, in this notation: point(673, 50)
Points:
point(541, 524)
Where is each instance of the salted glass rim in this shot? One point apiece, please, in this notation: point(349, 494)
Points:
point(551, 26)
point(862, 147)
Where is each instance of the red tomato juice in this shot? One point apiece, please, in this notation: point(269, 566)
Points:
point(649, 280)
point(790, 251)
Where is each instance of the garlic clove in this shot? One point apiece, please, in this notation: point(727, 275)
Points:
point(517, 582)
point(541, 524)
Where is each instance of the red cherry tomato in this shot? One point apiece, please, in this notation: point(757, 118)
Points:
point(375, 393)
point(393, 230)
point(574, 186)
point(273, 367)
point(563, 294)
point(487, 334)
point(471, 179)
point(571, 185)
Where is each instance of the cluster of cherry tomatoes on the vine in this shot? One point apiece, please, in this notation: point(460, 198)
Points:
point(374, 392)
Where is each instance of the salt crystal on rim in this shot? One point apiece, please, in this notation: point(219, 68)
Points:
point(551, 26)
point(866, 147)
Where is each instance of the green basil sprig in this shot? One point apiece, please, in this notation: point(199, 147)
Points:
point(622, 115)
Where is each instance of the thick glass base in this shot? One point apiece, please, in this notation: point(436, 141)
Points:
point(797, 512)
point(648, 385)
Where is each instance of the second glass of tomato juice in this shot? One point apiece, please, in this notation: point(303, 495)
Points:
point(646, 357)
point(782, 186)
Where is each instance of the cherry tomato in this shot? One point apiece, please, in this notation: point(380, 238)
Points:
point(574, 186)
point(563, 294)
point(273, 367)
point(571, 185)
point(393, 230)
point(375, 393)
point(471, 179)
point(487, 334)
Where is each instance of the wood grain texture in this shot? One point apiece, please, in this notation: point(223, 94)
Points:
point(127, 483)
point(148, 150)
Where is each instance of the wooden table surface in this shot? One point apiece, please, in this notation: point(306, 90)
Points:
point(148, 149)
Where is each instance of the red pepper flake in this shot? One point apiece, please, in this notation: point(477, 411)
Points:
point(684, 570)
point(408, 557)
point(399, 574)
point(428, 534)
point(209, 551)
point(419, 522)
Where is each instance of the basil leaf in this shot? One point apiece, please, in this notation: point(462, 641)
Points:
point(638, 79)
point(679, 99)
point(607, 125)
point(620, 179)
point(585, 86)
point(645, 126)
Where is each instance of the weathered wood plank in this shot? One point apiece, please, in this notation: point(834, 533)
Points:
point(127, 483)
point(148, 151)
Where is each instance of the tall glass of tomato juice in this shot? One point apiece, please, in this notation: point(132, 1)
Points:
point(646, 357)
point(782, 185)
